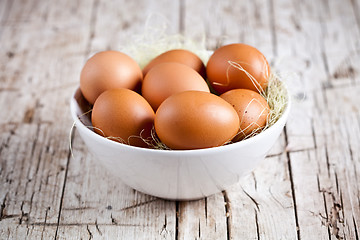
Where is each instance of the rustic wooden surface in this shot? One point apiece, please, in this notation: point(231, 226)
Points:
point(307, 188)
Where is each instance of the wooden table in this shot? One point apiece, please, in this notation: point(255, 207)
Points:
point(307, 188)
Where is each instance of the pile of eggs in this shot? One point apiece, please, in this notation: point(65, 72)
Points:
point(189, 106)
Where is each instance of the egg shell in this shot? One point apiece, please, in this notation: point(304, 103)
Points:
point(251, 108)
point(123, 115)
point(223, 76)
point(195, 120)
point(166, 79)
point(107, 70)
point(180, 56)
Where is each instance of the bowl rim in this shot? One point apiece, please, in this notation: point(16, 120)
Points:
point(228, 147)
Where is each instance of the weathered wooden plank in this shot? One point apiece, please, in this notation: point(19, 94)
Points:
point(300, 59)
point(341, 43)
point(97, 202)
point(298, 48)
point(326, 164)
point(343, 157)
point(34, 92)
point(342, 166)
point(336, 138)
point(32, 185)
point(203, 219)
point(116, 23)
point(310, 205)
point(261, 205)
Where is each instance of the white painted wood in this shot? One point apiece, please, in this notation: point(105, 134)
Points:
point(262, 204)
point(203, 219)
point(308, 188)
point(100, 204)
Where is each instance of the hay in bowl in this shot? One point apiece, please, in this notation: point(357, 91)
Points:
point(183, 174)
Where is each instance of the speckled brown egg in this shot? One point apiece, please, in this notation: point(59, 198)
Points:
point(107, 70)
point(237, 66)
point(166, 79)
point(251, 108)
point(180, 56)
point(195, 120)
point(124, 116)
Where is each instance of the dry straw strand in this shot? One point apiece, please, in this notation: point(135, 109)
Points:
point(238, 66)
point(155, 40)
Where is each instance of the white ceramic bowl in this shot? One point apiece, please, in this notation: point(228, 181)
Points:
point(177, 174)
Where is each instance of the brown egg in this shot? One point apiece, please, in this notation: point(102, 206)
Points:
point(123, 115)
point(107, 70)
point(252, 109)
point(180, 56)
point(225, 68)
point(194, 120)
point(165, 79)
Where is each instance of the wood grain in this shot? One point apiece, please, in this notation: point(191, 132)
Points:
point(307, 188)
